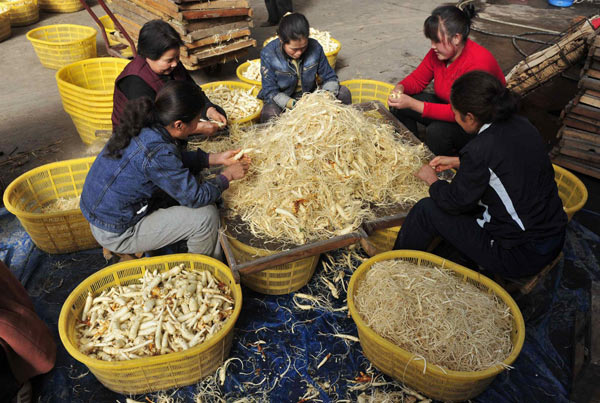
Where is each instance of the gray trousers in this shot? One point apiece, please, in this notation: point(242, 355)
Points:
point(271, 110)
point(166, 226)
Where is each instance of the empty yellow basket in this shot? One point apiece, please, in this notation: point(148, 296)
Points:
point(62, 44)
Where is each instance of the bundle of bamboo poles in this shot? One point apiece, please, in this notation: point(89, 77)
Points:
point(213, 32)
point(579, 145)
point(541, 66)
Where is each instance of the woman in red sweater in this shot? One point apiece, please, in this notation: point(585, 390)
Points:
point(451, 55)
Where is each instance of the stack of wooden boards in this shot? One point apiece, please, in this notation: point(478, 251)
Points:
point(579, 146)
point(213, 31)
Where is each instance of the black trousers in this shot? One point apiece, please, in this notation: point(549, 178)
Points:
point(426, 220)
point(277, 8)
point(442, 138)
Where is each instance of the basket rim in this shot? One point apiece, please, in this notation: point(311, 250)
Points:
point(242, 85)
point(93, 60)
point(93, 363)
point(578, 183)
point(27, 214)
point(445, 264)
point(30, 34)
point(242, 67)
point(367, 81)
point(332, 53)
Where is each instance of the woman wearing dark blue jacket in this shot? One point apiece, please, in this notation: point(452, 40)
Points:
point(502, 209)
point(289, 66)
point(146, 158)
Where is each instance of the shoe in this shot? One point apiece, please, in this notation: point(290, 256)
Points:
point(267, 24)
point(24, 394)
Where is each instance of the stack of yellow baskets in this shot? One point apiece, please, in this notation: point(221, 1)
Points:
point(60, 6)
point(62, 44)
point(86, 89)
point(4, 21)
point(23, 12)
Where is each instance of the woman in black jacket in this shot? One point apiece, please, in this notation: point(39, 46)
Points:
point(502, 209)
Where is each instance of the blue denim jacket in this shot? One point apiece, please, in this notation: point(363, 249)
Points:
point(117, 192)
point(280, 78)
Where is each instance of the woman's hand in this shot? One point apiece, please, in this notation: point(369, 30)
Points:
point(206, 128)
point(427, 174)
point(396, 92)
point(213, 114)
point(403, 101)
point(442, 163)
point(226, 158)
point(237, 170)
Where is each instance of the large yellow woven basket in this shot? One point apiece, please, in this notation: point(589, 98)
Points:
point(62, 44)
point(4, 21)
point(281, 279)
point(571, 190)
point(241, 69)
point(86, 89)
point(404, 366)
point(331, 56)
point(109, 27)
point(150, 374)
point(240, 86)
point(368, 90)
point(23, 12)
point(57, 232)
point(60, 6)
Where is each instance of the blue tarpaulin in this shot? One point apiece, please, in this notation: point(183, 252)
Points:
point(279, 349)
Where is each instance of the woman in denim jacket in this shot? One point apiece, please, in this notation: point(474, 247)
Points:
point(146, 158)
point(289, 67)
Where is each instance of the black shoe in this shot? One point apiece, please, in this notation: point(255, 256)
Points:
point(267, 24)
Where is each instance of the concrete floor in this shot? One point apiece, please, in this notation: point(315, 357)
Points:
point(381, 40)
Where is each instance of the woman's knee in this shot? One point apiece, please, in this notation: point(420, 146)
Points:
point(269, 111)
point(344, 95)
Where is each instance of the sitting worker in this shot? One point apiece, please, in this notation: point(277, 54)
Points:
point(289, 67)
point(502, 210)
point(27, 347)
point(451, 55)
point(157, 63)
point(144, 158)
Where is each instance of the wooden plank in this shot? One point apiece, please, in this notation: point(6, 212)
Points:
point(590, 83)
point(224, 12)
point(582, 145)
point(593, 73)
point(218, 4)
point(571, 121)
point(156, 7)
point(589, 100)
point(191, 26)
point(218, 30)
point(585, 110)
point(218, 38)
point(592, 138)
point(134, 13)
point(196, 57)
point(582, 155)
point(229, 256)
point(592, 93)
point(577, 165)
point(234, 56)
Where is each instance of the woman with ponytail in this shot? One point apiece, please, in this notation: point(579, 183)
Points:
point(145, 159)
point(451, 55)
point(502, 210)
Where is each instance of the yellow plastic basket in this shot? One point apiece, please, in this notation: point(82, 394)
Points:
point(331, 56)
point(279, 280)
point(60, 6)
point(23, 12)
point(4, 21)
point(62, 44)
point(368, 90)
point(86, 89)
point(150, 374)
point(109, 27)
point(242, 68)
point(404, 366)
point(238, 85)
point(571, 190)
point(57, 232)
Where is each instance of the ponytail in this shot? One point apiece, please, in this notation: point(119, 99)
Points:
point(484, 96)
point(138, 113)
point(177, 100)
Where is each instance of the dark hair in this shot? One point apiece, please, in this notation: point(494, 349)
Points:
point(293, 26)
point(483, 95)
point(177, 100)
point(157, 37)
point(449, 19)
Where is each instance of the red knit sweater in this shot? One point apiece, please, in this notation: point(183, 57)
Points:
point(473, 57)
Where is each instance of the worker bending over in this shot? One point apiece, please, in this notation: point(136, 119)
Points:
point(289, 66)
point(451, 55)
point(146, 158)
point(502, 209)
